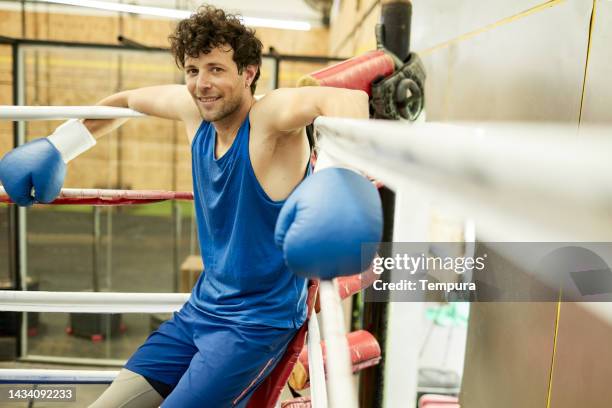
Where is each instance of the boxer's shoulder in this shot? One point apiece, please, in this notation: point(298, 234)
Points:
point(285, 111)
point(278, 154)
point(277, 125)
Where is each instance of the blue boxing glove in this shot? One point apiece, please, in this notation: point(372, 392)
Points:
point(35, 171)
point(325, 221)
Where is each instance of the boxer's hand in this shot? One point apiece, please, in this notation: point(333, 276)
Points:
point(36, 164)
point(35, 171)
point(325, 221)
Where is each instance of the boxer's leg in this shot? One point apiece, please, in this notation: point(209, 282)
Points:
point(154, 369)
point(129, 390)
point(166, 354)
point(230, 363)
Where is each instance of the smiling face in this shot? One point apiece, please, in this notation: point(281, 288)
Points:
point(215, 84)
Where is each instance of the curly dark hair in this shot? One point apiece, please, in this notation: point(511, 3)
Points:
point(210, 27)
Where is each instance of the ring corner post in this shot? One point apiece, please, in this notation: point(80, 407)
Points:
point(395, 23)
point(17, 215)
point(396, 20)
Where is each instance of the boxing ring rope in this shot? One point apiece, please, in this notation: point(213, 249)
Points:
point(478, 171)
point(108, 197)
point(318, 391)
point(90, 302)
point(20, 113)
point(46, 376)
point(340, 382)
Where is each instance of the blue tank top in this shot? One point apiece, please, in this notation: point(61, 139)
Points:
point(245, 278)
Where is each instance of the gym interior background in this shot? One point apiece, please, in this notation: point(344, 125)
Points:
point(486, 60)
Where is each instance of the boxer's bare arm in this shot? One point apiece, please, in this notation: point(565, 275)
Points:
point(285, 111)
point(278, 146)
point(164, 101)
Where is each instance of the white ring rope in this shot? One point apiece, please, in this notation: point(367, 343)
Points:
point(44, 376)
point(19, 113)
point(547, 158)
point(316, 364)
point(90, 302)
point(540, 182)
point(340, 383)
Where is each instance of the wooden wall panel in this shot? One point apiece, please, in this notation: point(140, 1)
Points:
point(365, 38)
point(10, 23)
point(148, 31)
point(341, 26)
point(352, 29)
point(6, 97)
point(313, 42)
point(582, 364)
point(509, 346)
point(291, 72)
point(71, 27)
point(82, 77)
point(508, 355)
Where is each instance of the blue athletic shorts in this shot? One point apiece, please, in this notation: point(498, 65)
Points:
point(208, 361)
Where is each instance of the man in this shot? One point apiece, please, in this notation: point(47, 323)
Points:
point(248, 156)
